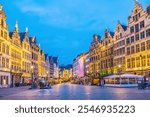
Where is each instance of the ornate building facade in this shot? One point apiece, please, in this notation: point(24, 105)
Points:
point(35, 57)
point(26, 56)
point(16, 55)
point(119, 49)
point(138, 41)
point(106, 54)
point(5, 76)
point(94, 56)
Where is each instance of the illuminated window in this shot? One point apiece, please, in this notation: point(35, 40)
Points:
point(138, 48)
point(137, 61)
point(148, 60)
point(144, 61)
point(143, 46)
point(133, 62)
point(148, 45)
point(128, 51)
point(132, 50)
point(128, 63)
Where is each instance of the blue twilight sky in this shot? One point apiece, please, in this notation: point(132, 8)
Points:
point(64, 28)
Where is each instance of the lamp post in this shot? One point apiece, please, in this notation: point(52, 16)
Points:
point(119, 71)
point(47, 75)
point(32, 77)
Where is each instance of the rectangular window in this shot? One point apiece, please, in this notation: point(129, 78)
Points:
point(138, 48)
point(128, 51)
point(132, 29)
point(143, 61)
point(3, 62)
point(5, 35)
point(133, 62)
point(128, 63)
point(0, 61)
point(137, 28)
point(137, 37)
point(0, 47)
point(132, 50)
point(138, 62)
point(148, 45)
point(142, 24)
point(148, 33)
point(148, 60)
point(128, 41)
point(143, 46)
point(142, 35)
point(132, 39)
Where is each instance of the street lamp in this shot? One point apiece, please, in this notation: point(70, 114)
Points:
point(119, 71)
point(32, 76)
point(47, 75)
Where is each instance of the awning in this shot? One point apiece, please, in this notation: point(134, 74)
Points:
point(132, 76)
point(112, 76)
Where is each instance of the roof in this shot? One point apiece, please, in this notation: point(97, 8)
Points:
point(10, 34)
point(46, 55)
point(148, 9)
point(112, 34)
point(22, 36)
point(124, 27)
point(50, 59)
point(55, 60)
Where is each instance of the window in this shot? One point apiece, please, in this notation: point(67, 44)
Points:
point(3, 62)
point(7, 50)
point(132, 29)
point(128, 41)
point(133, 62)
point(0, 46)
point(148, 45)
point(137, 28)
point(142, 24)
point(137, 61)
point(148, 60)
point(128, 51)
point(1, 33)
point(143, 61)
point(148, 33)
point(143, 46)
point(137, 37)
point(142, 34)
point(0, 62)
point(137, 48)
point(128, 63)
point(132, 39)
point(132, 50)
point(7, 63)
point(5, 35)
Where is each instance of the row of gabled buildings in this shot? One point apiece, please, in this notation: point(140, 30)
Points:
point(127, 50)
point(21, 58)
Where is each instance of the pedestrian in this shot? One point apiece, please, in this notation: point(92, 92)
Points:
point(102, 83)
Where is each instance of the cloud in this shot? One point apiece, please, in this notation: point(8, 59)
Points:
point(65, 13)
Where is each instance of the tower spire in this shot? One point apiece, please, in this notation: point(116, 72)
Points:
point(136, 1)
point(26, 29)
point(16, 26)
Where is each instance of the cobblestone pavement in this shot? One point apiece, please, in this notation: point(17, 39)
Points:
point(74, 92)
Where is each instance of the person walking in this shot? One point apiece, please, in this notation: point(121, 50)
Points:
point(102, 83)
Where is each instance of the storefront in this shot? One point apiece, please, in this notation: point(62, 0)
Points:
point(5, 81)
point(16, 79)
